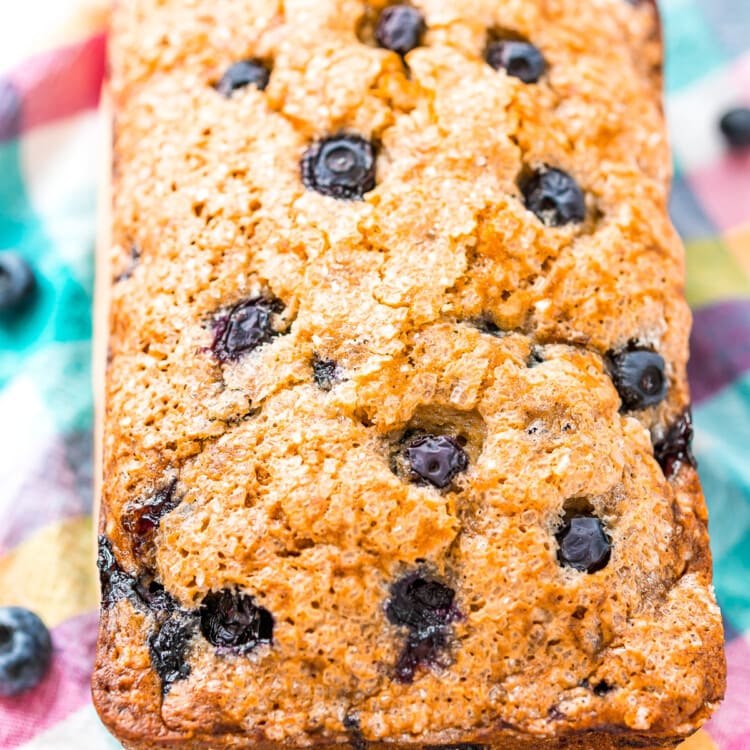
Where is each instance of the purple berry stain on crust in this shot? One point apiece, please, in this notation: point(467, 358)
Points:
point(244, 328)
point(143, 517)
point(426, 607)
point(115, 583)
point(169, 646)
point(233, 622)
point(676, 447)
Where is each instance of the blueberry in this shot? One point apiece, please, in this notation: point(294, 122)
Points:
point(436, 459)
point(241, 74)
point(168, 648)
point(246, 327)
point(400, 28)
point(675, 449)
point(519, 59)
point(25, 650)
point(233, 621)
point(144, 516)
point(17, 282)
point(554, 197)
point(638, 375)
point(425, 606)
point(154, 596)
point(115, 583)
point(341, 167)
point(421, 603)
point(735, 125)
point(325, 373)
point(602, 688)
point(583, 544)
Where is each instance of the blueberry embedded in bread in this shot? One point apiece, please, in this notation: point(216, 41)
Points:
point(400, 28)
point(554, 197)
point(435, 459)
point(244, 73)
point(245, 327)
point(233, 622)
point(342, 167)
point(517, 58)
point(583, 544)
point(425, 606)
point(638, 375)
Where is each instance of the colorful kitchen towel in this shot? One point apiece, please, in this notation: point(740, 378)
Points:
point(52, 60)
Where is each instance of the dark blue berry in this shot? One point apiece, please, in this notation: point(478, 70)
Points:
point(675, 449)
point(554, 197)
point(436, 459)
point(144, 516)
point(638, 375)
point(420, 603)
point(518, 59)
point(233, 621)
point(325, 373)
point(735, 125)
point(25, 650)
point(168, 648)
point(115, 583)
point(400, 28)
point(241, 74)
point(341, 167)
point(583, 544)
point(17, 282)
point(602, 688)
point(426, 607)
point(246, 327)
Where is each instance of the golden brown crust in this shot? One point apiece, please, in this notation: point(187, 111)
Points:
point(286, 491)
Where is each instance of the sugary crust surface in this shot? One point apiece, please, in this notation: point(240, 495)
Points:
point(286, 491)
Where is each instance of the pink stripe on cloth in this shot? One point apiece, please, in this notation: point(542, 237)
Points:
point(64, 690)
point(60, 83)
point(730, 727)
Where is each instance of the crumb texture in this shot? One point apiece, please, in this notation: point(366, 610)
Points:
point(397, 323)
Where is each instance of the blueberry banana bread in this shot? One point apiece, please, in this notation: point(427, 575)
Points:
point(397, 446)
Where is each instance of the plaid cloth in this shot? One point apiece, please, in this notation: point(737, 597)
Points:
point(51, 67)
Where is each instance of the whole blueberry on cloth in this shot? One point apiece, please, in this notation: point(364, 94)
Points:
point(25, 650)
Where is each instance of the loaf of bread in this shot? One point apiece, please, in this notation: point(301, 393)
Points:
point(397, 442)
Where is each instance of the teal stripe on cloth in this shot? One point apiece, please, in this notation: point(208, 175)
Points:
point(691, 53)
point(61, 309)
point(722, 447)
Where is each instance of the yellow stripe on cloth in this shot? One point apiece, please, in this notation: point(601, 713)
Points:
point(714, 273)
point(699, 741)
point(738, 241)
point(52, 573)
